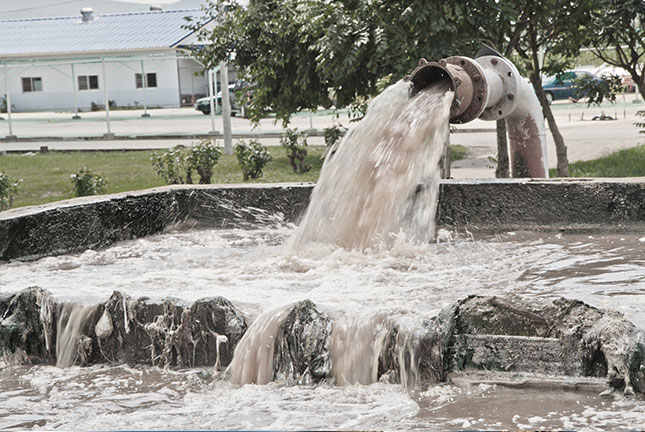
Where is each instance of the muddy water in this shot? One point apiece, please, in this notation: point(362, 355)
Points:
point(124, 398)
point(256, 272)
point(363, 193)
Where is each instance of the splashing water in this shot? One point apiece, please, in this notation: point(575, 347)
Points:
point(409, 283)
point(365, 191)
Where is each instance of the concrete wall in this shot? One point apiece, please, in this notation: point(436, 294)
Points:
point(479, 206)
point(58, 85)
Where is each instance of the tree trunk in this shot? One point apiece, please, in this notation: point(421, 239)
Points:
point(560, 147)
point(445, 161)
point(640, 82)
point(503, 165)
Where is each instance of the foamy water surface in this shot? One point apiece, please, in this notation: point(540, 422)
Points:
point(256, 272)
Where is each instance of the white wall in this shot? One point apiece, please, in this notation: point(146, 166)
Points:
point(191, 86)
point(58, 94)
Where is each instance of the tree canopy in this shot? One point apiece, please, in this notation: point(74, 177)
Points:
point(616, 34)
point(304, 54)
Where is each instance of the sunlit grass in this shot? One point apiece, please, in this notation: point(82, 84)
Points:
point(46, 176)
point(623, 163)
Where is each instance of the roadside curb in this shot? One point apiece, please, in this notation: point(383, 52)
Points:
point(273, 134)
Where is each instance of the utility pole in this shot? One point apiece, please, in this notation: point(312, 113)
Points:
point(226, 109)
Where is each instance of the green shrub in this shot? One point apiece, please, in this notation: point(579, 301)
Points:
point(171, 166)
point(333, 133)
point(176, 166)
point(295, 143)
point(87, 183)
point(252, 158)
point(202, 157)
point(8, 189)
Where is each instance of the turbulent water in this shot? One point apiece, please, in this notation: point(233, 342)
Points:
point(385, 269)
point(365, 191)
point(257, 272)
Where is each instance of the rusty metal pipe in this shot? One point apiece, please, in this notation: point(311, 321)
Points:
point(467, 82)
point(491, 88)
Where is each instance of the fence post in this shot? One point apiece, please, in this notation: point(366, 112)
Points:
point(11, 136)
point(144, 83)
point(109, 134)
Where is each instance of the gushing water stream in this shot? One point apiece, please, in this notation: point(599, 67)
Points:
point(365, 198)
point(363, 195)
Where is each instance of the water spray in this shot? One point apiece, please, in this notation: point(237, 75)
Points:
point(489, 87)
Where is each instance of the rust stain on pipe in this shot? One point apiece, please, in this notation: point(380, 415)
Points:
point(526, 148)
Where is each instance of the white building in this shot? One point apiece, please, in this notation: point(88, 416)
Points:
point(73, 63)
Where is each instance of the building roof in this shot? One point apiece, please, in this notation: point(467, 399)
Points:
point(55, 8)
point(105, 33)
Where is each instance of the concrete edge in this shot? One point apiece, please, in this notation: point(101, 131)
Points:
point(501, 205)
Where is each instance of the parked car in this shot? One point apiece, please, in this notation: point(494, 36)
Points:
point(204, 104)
point(235, 92)
point(563, 86)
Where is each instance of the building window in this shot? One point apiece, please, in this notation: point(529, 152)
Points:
point(151, 80)
point(88, 82)
point(32, 84)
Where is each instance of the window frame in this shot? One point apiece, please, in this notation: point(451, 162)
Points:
point(31, 88)
point(88, 81)
point(150, 77)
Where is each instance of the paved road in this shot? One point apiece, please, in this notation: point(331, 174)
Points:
point(173, 121)
point(585, 138)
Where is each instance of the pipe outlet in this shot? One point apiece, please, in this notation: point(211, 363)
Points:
point(491, 88)
point(467, 82)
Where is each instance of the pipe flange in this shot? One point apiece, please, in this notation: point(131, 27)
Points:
point(510, 78)
point(429, 72)
point(460, 83)
point(478, 90)
point(425, 74)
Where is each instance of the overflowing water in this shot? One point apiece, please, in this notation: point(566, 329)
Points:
point(385, 271)
point(257, 272)
point(72, 318)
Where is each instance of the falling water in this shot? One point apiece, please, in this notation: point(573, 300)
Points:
point(70, 339)
point(365, 192)
point(253, 358)
point(382, 181)
point(359, 347)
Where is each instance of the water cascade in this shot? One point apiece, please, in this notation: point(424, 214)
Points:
point(71, 341)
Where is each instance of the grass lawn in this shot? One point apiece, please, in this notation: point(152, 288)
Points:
point(46, 176)
point(623, 163)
